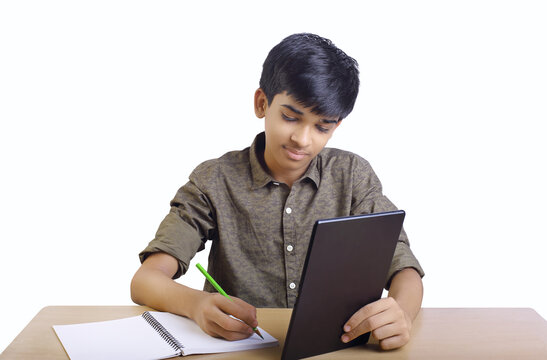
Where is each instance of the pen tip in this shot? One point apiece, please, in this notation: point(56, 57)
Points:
point(258, 333)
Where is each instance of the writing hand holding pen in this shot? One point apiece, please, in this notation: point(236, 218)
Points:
point(229, 328)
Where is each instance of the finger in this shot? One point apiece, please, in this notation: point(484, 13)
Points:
point(226, 326)
point(394, 342)
point(220, 315)
point(372, 323)
point(387, 331)
point(243, 315)
point(366, 312)
point(241, 310)
point(232, 323)
point(386, 313)
point(218, 330)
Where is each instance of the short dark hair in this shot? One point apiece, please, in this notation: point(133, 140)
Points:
point(315, 72)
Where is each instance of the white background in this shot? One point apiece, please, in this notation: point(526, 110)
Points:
point(106, 107)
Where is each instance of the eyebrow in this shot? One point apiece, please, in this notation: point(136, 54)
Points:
point(293, 109)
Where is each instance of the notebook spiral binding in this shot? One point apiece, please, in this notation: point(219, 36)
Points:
point(170, 339)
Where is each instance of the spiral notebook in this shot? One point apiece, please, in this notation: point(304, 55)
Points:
point(152, 335)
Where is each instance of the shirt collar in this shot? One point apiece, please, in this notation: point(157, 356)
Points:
point(258, 166)
point(256, 154)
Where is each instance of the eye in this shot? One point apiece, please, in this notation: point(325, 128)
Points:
point(287, 118)
point(322, 128)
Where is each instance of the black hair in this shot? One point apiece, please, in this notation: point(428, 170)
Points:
point(315, 72)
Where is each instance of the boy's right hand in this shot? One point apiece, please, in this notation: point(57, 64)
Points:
point(212, 313)
point(153, 285)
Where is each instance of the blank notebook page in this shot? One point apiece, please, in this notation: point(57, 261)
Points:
point(125, 339)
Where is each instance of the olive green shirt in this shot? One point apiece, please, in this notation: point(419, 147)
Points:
point(260, 229)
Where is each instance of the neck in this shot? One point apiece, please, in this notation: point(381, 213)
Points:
point(281, 175)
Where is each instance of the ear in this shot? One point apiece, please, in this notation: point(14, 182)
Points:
point(261, 103)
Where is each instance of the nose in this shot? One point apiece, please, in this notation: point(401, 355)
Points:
point(301, 136)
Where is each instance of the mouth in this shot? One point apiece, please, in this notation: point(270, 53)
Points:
point(295, 154)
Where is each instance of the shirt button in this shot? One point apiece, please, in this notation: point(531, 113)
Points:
point(292, 286)
point(288, 210)
point(289, 248)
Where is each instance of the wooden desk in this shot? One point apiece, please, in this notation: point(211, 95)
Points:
point(437, 334)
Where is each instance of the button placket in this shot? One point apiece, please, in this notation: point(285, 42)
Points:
point(289, 231)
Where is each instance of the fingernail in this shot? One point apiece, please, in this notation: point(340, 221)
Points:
point(345, 339)
point(347, 328)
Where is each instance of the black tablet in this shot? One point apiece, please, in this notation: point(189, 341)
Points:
point(346, 268)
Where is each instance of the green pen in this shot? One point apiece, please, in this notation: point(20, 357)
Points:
point(221, 291)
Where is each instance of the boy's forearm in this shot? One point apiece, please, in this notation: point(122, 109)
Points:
point(407, 289)
point(153, 288)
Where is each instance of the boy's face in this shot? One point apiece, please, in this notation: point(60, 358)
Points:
point(294, 135)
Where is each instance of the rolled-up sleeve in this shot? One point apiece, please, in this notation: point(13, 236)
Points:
point(367, 197)
point(186, 227)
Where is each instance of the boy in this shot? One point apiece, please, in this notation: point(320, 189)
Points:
point(258, 207)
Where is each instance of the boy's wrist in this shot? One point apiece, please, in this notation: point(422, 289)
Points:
point(192, 304)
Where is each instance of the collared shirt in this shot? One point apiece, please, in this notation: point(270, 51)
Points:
point(260, 229)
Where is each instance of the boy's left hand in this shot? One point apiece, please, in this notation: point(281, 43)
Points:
point(387, 321)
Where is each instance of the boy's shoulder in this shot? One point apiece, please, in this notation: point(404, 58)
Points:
point(338, 158)
point(336, 166)
point(232, 163)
